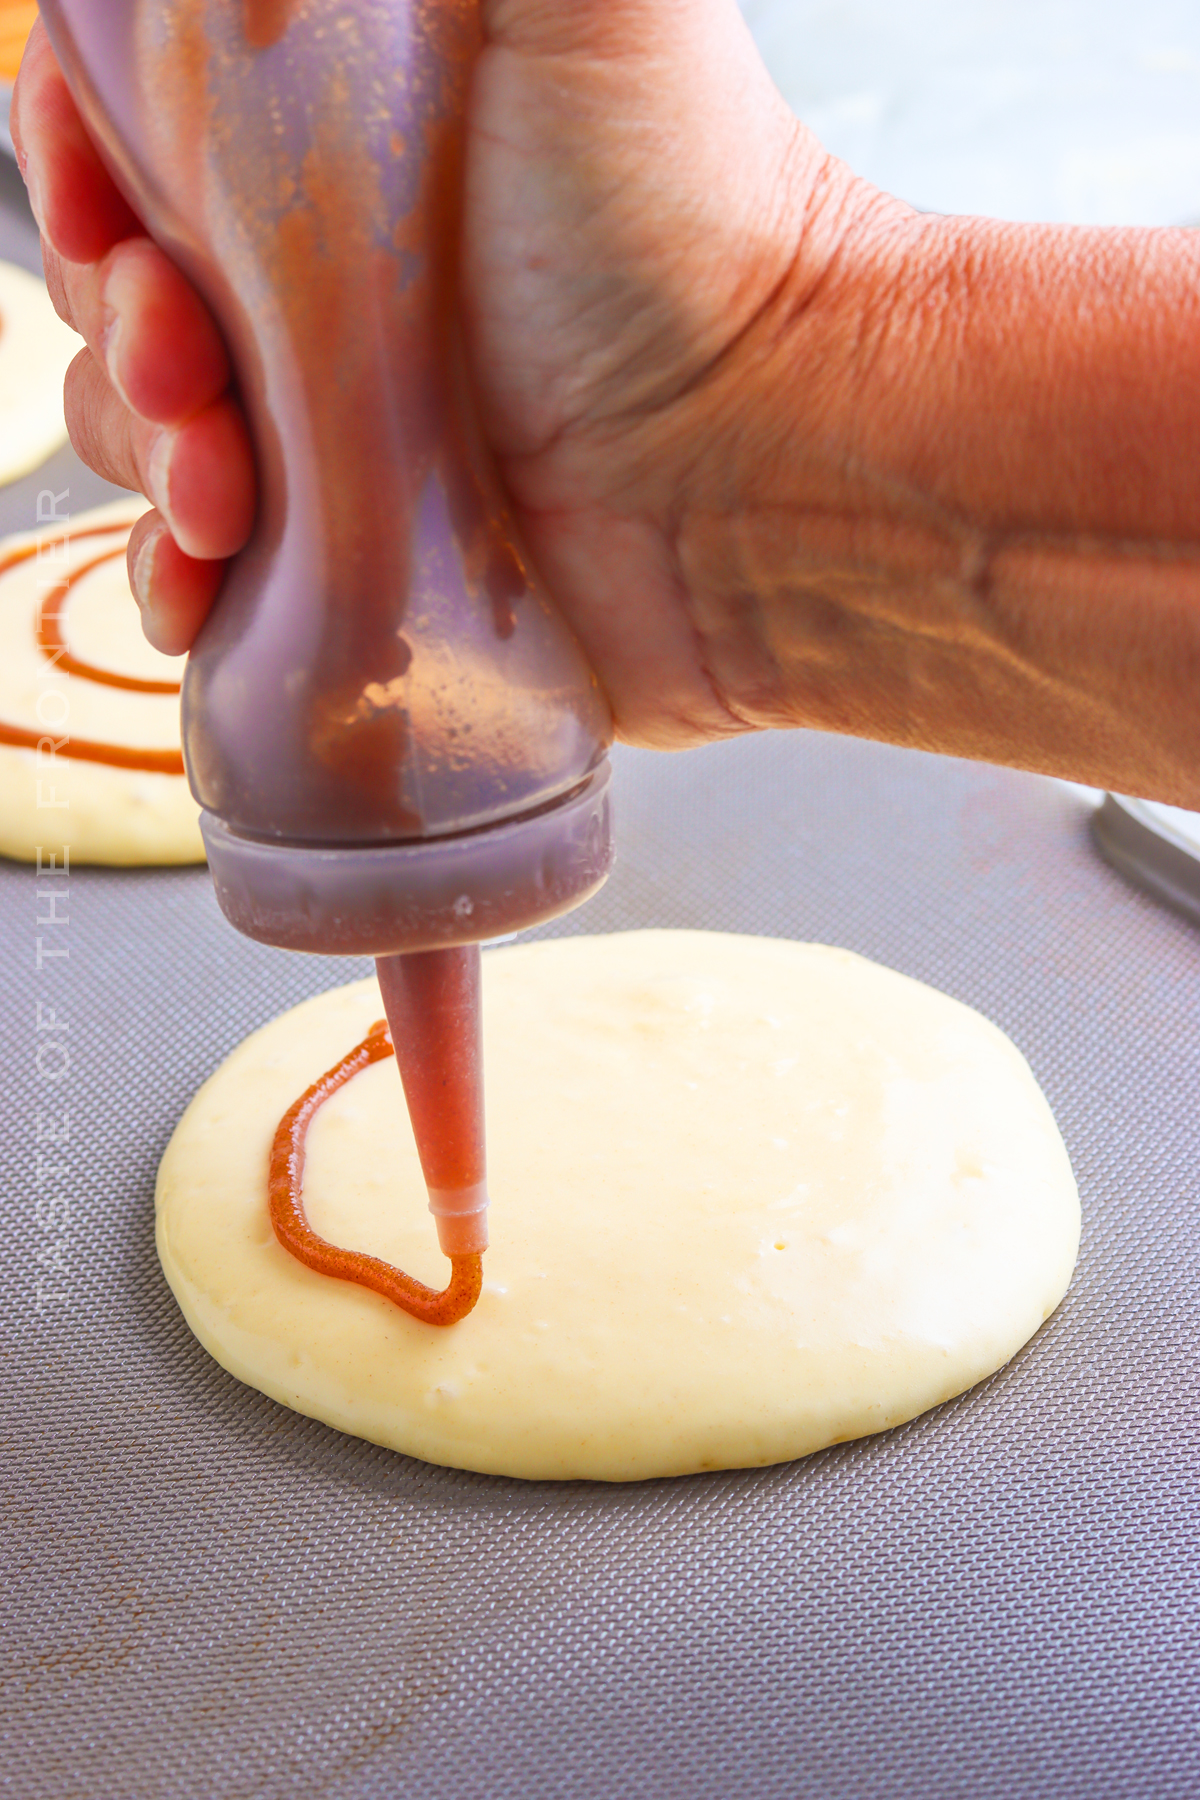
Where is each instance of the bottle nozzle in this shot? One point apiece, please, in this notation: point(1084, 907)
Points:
point(432, 1001)
point(461, 1215)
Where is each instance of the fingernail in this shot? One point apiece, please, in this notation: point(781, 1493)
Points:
point(114, 301)
point(33, 188)
point(141, 569)
point(110, 340)
point(158, 472)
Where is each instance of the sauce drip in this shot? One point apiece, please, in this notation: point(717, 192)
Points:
point(53, 645)
point(265, 21)
point(285, 1198)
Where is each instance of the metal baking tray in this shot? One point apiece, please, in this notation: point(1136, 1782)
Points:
point(207, 1595)
point(1156, 847)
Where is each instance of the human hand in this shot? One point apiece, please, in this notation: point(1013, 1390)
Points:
point(785, 452)
point(147, 400)
point(636, 198)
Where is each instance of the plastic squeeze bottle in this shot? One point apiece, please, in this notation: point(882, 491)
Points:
point(397, 743)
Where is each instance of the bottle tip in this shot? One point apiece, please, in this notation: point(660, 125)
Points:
point(462, 1233)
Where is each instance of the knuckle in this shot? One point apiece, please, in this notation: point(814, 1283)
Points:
point(98, 422)
point(80, 405)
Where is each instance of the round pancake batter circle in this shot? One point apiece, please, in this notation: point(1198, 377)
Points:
point(66, 585)
point(36, 349)
point(749, 1198)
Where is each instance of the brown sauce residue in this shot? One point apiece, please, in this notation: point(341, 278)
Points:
point(265, 21)
point(285, 1184)
point(52, 643)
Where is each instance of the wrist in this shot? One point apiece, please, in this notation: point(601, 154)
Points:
point(965, 516)
point(798, 478)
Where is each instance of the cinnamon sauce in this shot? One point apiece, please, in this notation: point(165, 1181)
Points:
point(285, 1199)
point(52, 642)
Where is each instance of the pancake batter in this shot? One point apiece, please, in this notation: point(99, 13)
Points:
point(89, 712)
point(749, 1198)
point(36, 349)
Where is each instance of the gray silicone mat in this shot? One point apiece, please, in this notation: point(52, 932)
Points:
point(208, 1596)
point(205, 1597)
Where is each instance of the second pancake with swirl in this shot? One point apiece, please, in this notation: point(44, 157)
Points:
point(90, 757)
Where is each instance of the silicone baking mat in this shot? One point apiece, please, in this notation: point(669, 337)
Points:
point(207, 1597)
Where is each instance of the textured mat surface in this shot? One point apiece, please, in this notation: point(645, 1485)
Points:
point(208, 1596)
point(205, 1597)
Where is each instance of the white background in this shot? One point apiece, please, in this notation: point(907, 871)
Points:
point(1076, 110)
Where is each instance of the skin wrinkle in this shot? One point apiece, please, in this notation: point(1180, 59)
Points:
point(670, 332)
point(692, 386)
point(739, 724)
point(733, 646)
point(1115, 468)
point(88, 394)
point(732, 723)
point(967, 326)
point(949, 596)
point(657, 315)
point(882, 317)
point(725, 634)
point(864, 582)
point(855, 618)
point(781, 310)
point(688, 384)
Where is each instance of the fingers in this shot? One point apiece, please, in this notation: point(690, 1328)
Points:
point(103, 431)
point(147, 403)
point(147, 326)
point(75, 201)
point(201, 477)
point(200, 474)
point(139, 316)
point(174, 591)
